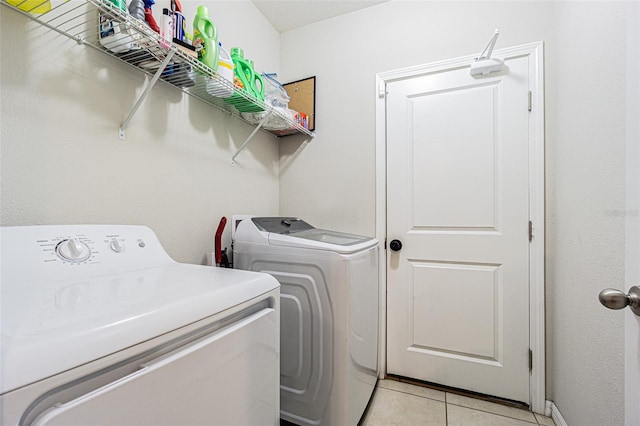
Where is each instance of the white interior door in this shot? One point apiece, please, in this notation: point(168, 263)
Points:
point(458, 201)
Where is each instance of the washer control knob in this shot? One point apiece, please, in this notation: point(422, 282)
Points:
point(73, 250)
point(116, 245)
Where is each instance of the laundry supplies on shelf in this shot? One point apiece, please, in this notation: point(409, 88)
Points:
point(205, 38)
point(247, 81)
point(133, 36)
point(32, 6)
point(221, 85)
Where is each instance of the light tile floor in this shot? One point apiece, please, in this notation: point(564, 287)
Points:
point(398, 403)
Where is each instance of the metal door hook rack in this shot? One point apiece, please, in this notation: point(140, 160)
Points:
point(246, 142)
point(144, 94)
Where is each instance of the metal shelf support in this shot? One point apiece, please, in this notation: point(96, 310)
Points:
point(143, 96)
point(246, 142)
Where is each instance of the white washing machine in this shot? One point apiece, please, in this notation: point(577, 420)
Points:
point(101, 326)
point(329, 314)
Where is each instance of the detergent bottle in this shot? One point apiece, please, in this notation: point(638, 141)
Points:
point(221, 86)
point(205, 38)
point(257, 83)
point(244, 71)
point(32, 6)
point(136, 9)
point(122, 4)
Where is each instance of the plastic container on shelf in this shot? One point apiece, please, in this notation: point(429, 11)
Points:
point(243, 70)
point(166, 31)
point(274, 93)
point(148, 15)
point(179, 26)
point(136, 9)
point(205, 38)
point(122, 4)
point(32, 6)
point(245, 82)
point(257, 84)
point(221, 85)
point(115, 36)
point(272, 122)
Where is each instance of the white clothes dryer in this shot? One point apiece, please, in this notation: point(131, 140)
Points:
point(329, 314)
point(101, 327)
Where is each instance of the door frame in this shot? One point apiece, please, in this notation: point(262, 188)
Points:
point(632, 221)
point(535, 51)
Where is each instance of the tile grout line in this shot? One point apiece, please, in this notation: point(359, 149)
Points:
point(496, 414)
point(413, 394)
point(447, 403)
point(446, 410)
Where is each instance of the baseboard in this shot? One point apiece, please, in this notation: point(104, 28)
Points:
point(556, 415)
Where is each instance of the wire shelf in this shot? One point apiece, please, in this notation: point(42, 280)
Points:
point(136, 44)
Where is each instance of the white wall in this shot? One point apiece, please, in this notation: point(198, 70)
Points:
point(331, 182)
point(62, 162)
point(585, 240)
point(61, 105)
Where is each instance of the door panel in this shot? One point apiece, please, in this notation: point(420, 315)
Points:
point(437, 287)
point(458, 199)
point(454, 167)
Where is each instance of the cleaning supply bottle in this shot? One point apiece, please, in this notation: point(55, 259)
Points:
point(166, 31)
point(221, 86)
point(243, 70)
point(205, 38)
point(32, 6)
point(136, 9)
point(257, 83)
point(122, 4)
point(148, 15)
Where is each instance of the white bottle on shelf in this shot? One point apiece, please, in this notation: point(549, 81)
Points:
point(166, 30)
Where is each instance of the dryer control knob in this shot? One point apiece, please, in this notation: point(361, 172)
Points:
point(73, 250)
point(116, 245)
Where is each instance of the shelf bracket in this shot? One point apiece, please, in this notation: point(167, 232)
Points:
point(246, 142)
point(143, 96)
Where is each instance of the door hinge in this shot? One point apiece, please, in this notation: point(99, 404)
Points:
point(530, 101)
point(530, 360)
point(530, 231)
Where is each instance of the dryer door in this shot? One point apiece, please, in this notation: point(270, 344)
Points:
point(229, 377)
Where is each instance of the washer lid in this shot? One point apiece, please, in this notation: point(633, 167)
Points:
point(51, 326)
point(322, 239)
point(281, 225)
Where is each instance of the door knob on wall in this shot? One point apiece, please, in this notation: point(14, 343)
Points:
point(395, 245)
point(615, 299)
